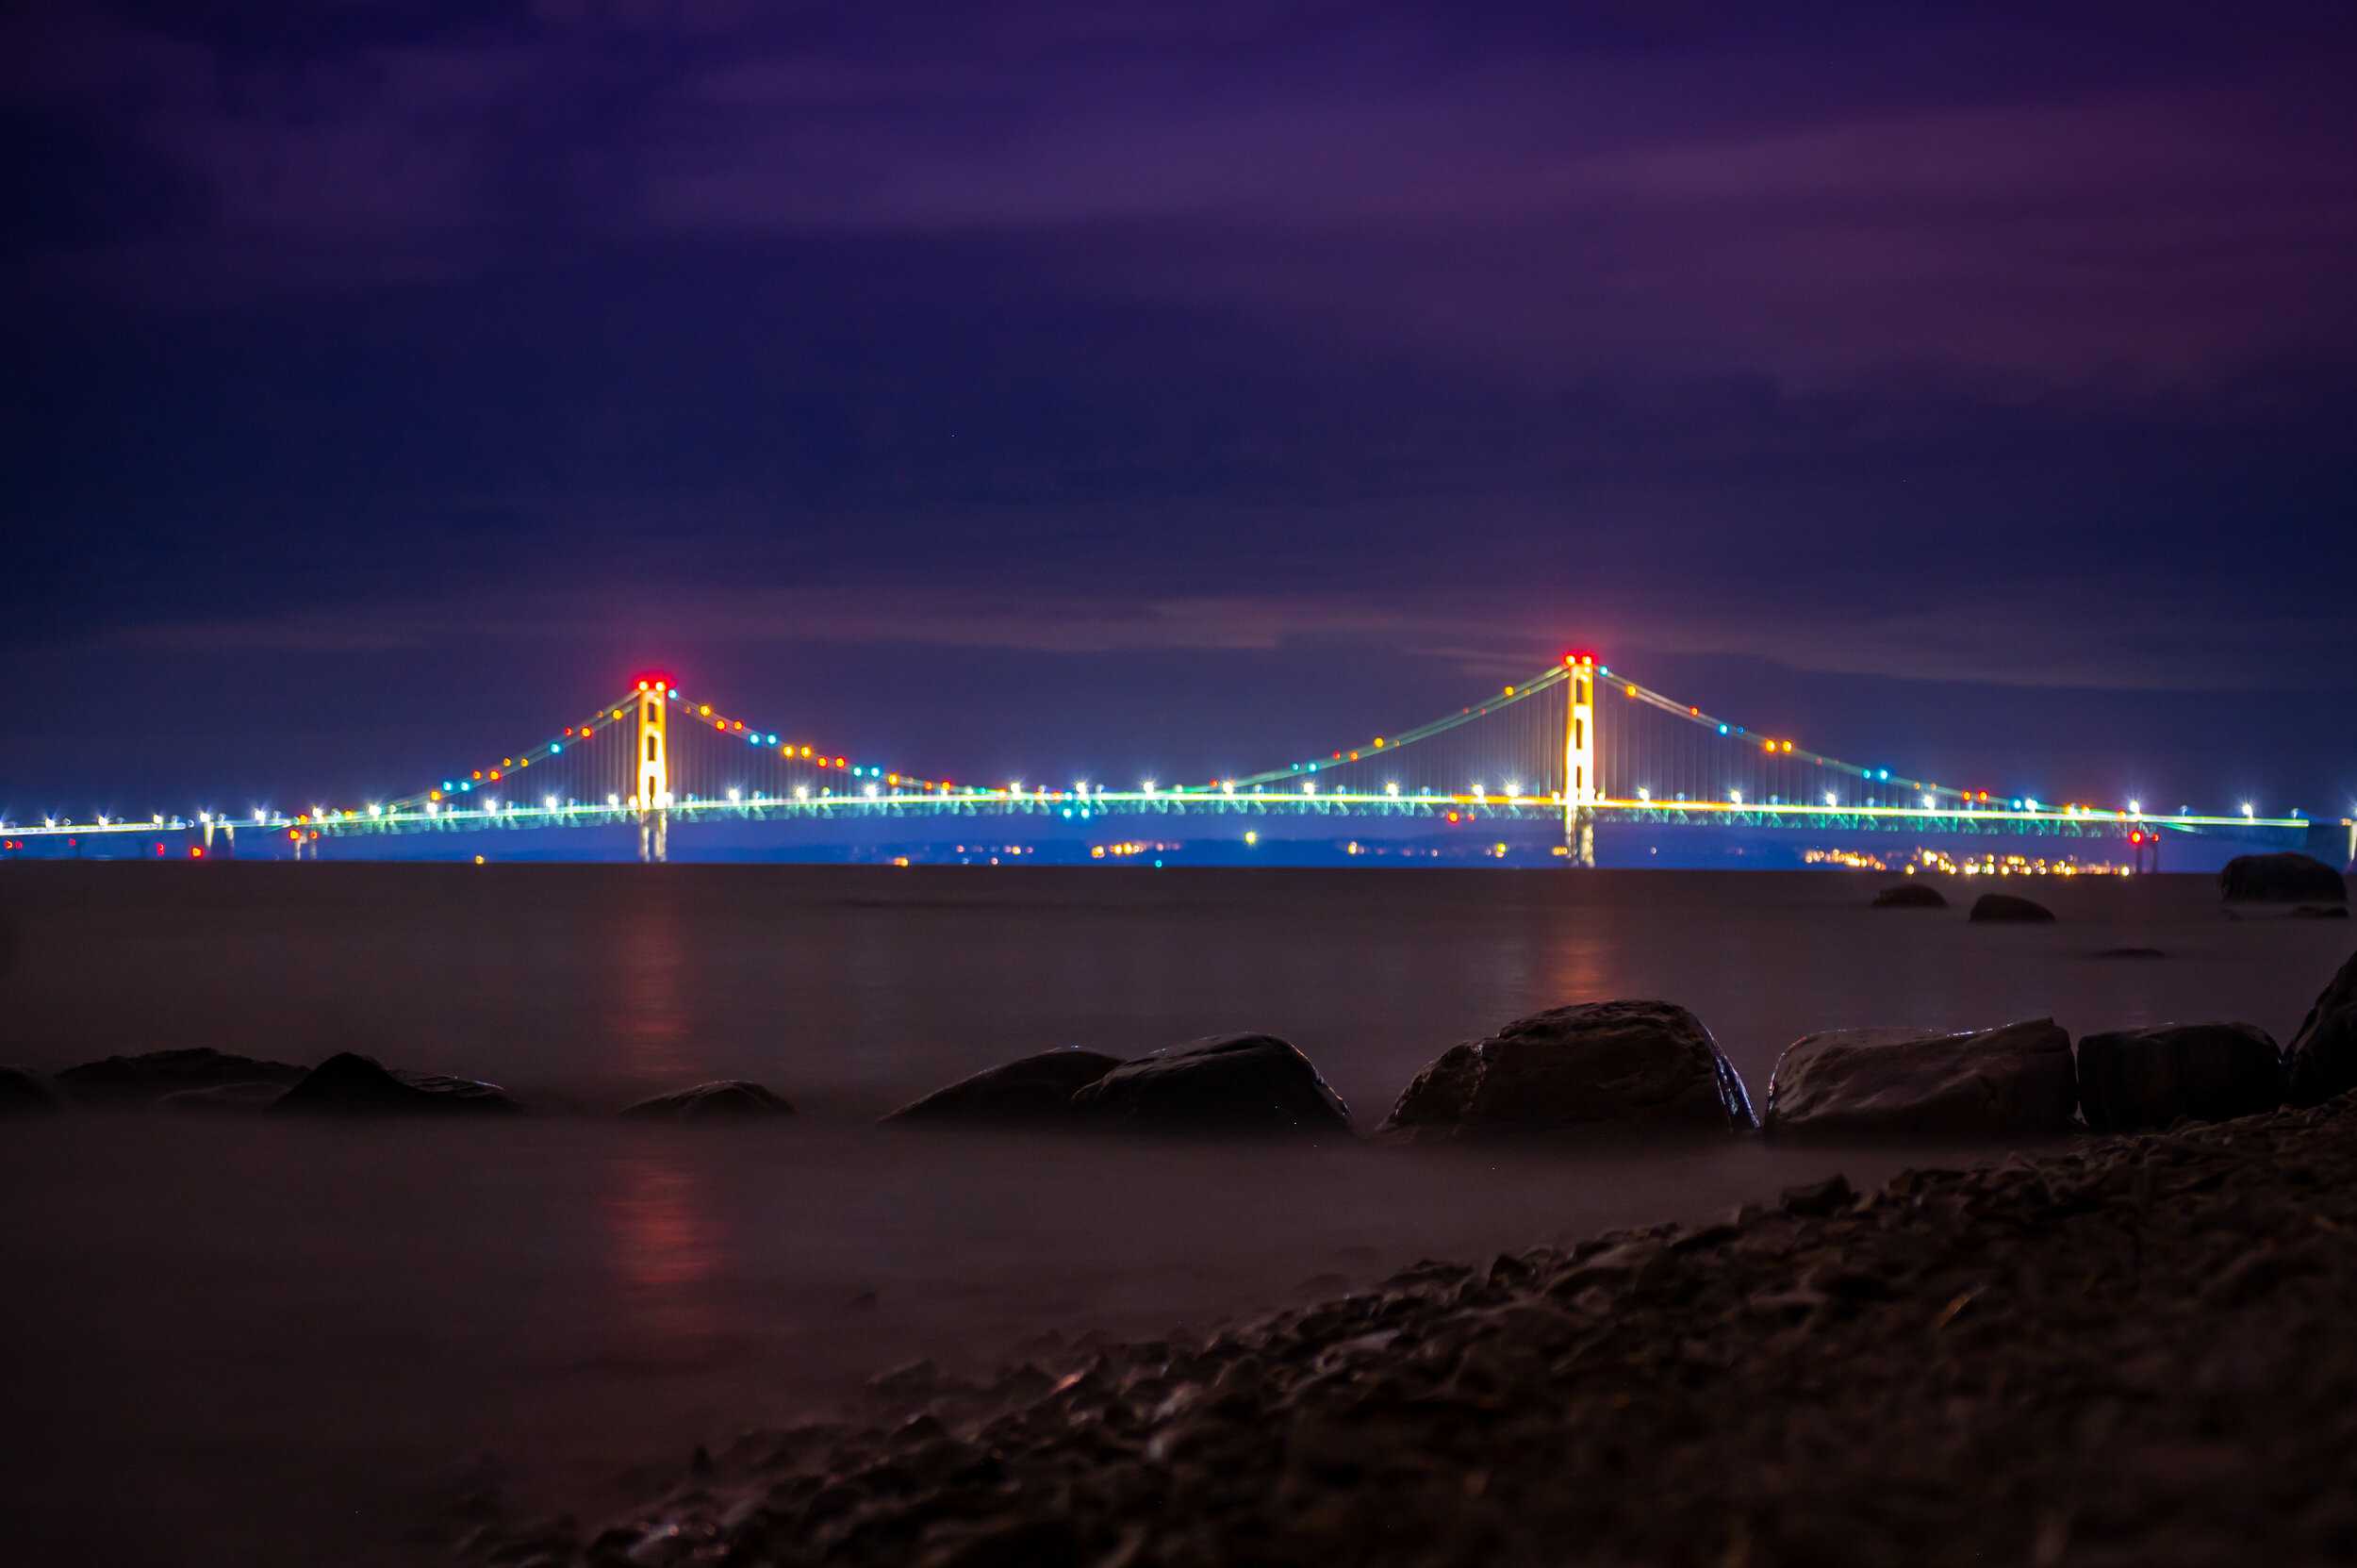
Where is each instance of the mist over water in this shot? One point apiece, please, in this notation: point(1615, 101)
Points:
point(269, 1343)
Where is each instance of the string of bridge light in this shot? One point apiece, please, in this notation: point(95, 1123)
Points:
point(432, 801)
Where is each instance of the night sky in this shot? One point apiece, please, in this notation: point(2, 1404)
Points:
point(1149, 391)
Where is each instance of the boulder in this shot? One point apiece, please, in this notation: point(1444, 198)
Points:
point(1595, 1064)
point(2321, 1060)
point(128, 1082)
point(350, 1084)
point(2006, 907)
point(1023, 1093)
point(724, 1099)
point(2012, 1081)
point(2286, 878)
point(1910, 895)
point(23, 1091)
point(1232, 1084)
point(2137, 1078)
point(235, 1099)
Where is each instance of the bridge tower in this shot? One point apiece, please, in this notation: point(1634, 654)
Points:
point(1580, 790)
point(653, 769)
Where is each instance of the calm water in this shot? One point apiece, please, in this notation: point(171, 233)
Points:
point(270, 1344)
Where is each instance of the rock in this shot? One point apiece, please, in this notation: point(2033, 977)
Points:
point(350, 1084)
point(242, 1099)
point(1910, 895)
point(128, 1082)
point(2320, 912)
point(724, 1099)
point(1023, 1093)
point(1631, 1063)
point(2139, 1077)
point(2006, 907)
point(23, 1091)
point(2289, 877)
point(2127, 952)
point(2011, 1081)
point(1231, 1083)
point(2321, 1060)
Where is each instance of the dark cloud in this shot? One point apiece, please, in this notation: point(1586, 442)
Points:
point(1978, 349)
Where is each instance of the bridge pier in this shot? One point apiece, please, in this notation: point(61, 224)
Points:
point(1579, 763)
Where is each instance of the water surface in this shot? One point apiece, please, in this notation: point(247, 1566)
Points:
point(271, 1343)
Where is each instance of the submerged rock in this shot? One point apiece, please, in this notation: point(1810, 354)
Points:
point(128, 1082)
point(1023, 1093)
point(2138, 1078)
point(2011, 1081)
point(239, 1100)
point(2006, 907)
point(1910, 895)
point(1232, 1084)
point(350, 1084)
point(2321, 1060)
point(1635, 1063)
point(724, 1099)
point(2287, 877)
point(25, 1091)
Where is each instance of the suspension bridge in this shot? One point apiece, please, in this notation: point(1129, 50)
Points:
point(1547, 770)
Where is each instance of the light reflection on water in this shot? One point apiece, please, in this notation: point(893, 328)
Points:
point(667, 1237)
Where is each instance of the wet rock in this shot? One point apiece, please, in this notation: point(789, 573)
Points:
point(2011, 1081)
point(1234, 1083)
point(724, 1099)
point(2321, 1060)
point(2006, 908)
point(24, 1091)
point(237, 1100)
point(2288, 877)
point(1023, 1093)
point(2137, 1078)
point(1628, 1063)
point(2320, 912)
point(1040, 1543)
point(1910, 895)
point(132, 1083)
point(350, 1084)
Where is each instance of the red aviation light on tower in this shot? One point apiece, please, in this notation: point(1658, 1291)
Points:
point(652, 680)
point(1578, 656)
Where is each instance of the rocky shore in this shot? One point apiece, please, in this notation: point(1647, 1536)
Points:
point(2136, 1352)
